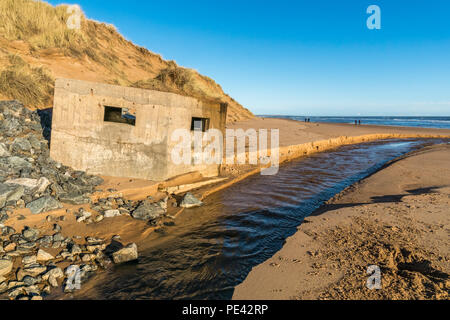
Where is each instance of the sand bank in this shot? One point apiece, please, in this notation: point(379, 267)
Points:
point(396, 219)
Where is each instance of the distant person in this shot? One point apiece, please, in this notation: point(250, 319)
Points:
point(356, 122)
point(359, 122)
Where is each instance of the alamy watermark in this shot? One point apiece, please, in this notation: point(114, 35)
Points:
point(374, 20)
point(73, 273)
point(74, 20)
point(374, 280)
point(198, 147)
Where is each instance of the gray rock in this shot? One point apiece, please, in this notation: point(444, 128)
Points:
point(33, 270)
point(148, 211)
point(5, 267)
point(53, 275)
point(44, 204)
point(190, 201)
point(74, 198)
point(21, 144)
point(29, 260)
point(75, 249)
point(19, 163)
point(44, 256)
point(10, 193)
point(30, 234)
point(57, 237)
point(3, 217)
point(6, 231)
point(4, 151)
point(29, 281)
point(112, 213)
point(126, 254)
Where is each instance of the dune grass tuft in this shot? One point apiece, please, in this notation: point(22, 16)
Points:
point(31, 85)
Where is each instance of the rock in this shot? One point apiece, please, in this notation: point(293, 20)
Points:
point(53, 275)
point(148, 211)
point(6, 231)
point(88, 257)
point(45, 241)
point(3, 217)
point(44, 204)
point(75, 249)
point(10, 193)
point(29, 281)
point(44, 256)
point(30, 234)
point(94, 240)
point(4, 151)
point(33, 270)
point(29, 260)
point(190, 201)
point(10, 247)
point(3, 287)
point(99, 218)
point(42, 185)
point(126, 254)
point(24, 182)
point(112, 213)
point(19, 163)
point(35, 185)
point(74, 198)
point(58, 237)
point(21, 144)
point(5, 267)
point(56, 228)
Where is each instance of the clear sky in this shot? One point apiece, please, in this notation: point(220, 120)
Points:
point(300, 57)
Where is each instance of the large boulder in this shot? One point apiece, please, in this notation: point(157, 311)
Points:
point(5, 267)
point(44, 256)
point(190, 201)
point(4, 150)
point(30, 234)
point(74, 198)
point(21, 144)
point(10, 193)
point(150, 211)
point(126, 254)
point(44, 204)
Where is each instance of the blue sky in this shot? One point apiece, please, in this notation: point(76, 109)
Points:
point(301, 57)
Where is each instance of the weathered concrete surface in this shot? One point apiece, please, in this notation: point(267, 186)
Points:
point(83, 140)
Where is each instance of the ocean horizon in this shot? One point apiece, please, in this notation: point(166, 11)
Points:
point(419, 122)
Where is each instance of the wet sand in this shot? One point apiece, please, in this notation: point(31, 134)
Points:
point(397, 219)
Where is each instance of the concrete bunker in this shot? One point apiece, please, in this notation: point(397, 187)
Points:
point(126, 132)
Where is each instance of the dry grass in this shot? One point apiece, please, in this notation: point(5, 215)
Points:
point(33, 86)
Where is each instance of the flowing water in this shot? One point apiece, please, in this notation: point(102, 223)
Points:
point(211, 249)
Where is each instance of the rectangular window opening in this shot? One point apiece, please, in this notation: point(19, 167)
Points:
point(119, 115)
point(200, 124)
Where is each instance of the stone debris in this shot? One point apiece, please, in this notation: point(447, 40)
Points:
point(126, 254)
point(190, 201)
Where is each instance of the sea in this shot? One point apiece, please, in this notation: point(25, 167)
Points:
point(421, 122)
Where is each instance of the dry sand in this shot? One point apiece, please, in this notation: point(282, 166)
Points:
point(397, 219)
point(296, 139)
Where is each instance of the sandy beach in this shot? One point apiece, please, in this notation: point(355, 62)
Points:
point(396, 219)
point(297, 139)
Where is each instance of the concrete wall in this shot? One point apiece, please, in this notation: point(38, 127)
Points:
point(81, 139)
